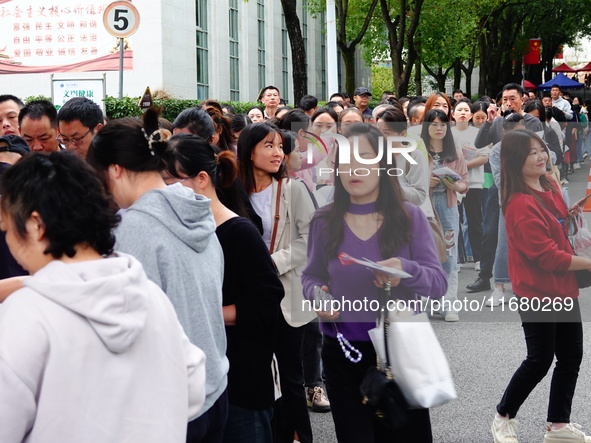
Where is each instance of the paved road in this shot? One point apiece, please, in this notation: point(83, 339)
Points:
point(484, 349)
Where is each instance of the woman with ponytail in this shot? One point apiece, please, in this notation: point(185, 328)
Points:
point(171, 231)
point(252, 290)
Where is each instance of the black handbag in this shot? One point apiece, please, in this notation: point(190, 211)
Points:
point(381, 393)
point(384, 397)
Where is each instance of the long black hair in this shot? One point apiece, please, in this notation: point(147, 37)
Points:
point(395, 229)
point(189, 154)
point(449, 153)
point(249, 138)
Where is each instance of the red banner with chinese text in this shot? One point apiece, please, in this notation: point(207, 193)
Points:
point(69, 36)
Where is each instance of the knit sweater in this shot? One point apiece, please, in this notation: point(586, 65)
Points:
point(539, 251)
point(251, 284)
point(354, 283)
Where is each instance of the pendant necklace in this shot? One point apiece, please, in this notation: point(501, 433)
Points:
point(434, 155)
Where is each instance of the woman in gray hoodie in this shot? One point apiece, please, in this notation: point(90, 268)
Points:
point(171, 231)
point(90, 349)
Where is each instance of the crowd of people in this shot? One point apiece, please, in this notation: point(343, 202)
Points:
point(168, 265)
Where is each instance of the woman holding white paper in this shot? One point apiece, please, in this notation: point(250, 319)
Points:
point(443, 153)
point(368, 219)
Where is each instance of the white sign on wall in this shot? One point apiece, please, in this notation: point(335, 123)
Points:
point(63, 90)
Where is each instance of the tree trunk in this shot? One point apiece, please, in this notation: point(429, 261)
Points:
point(468, 70)
point(483, 71)
point(298, 49)
point(457, 74)
point(441, 80)
point(418, 79)
point(348, 55)
point(346, 45)
point(401, 35)
point(440, 76)
point(548, 52)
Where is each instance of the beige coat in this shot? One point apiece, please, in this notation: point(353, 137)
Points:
point(295, 212)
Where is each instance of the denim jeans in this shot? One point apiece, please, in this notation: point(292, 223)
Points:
point(312, 351)
point(580, 147)
point(450, 220)
point(465, 232)
point(501, 270)
point(248, 426)
point(547, 334)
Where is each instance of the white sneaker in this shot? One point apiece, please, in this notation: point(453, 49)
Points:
point(451, 317)
point(576, 166)
point(496, 298)
point(477, 266)
point(504, 430)
point(571, 433)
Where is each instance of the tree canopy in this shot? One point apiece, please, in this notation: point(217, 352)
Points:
point(453, 36)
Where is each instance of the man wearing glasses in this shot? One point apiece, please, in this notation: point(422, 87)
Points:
point(78, 119)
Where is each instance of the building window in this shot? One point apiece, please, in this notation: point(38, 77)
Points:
point(261, 51)
point(234, 52)
point(202, 50)
point(285, 61)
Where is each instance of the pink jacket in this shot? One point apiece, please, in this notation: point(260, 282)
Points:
point(459, 166)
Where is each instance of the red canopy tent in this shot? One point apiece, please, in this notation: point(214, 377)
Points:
point(563, 68)
point(528, 85)
point(585, 68)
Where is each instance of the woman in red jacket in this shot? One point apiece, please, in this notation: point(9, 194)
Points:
point(541, 265)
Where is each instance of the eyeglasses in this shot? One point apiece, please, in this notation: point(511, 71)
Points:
point(72, 140)
point(171, 180)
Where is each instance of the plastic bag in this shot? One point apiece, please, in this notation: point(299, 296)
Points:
point(582, 237)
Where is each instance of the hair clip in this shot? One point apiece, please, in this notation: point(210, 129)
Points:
point(216, 159)
point(163, 136)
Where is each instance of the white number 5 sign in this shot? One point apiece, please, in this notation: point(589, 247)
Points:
point(121, 19)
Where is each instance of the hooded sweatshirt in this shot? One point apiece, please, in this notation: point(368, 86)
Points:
point(171, 231)
point(93, 352)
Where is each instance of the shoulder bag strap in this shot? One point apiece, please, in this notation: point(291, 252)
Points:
point(385, 296)
point(277, 217)
point(568, 219)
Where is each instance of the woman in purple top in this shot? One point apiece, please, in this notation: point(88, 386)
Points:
point(368, 219)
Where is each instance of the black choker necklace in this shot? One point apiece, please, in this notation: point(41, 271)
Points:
point(362, 209)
